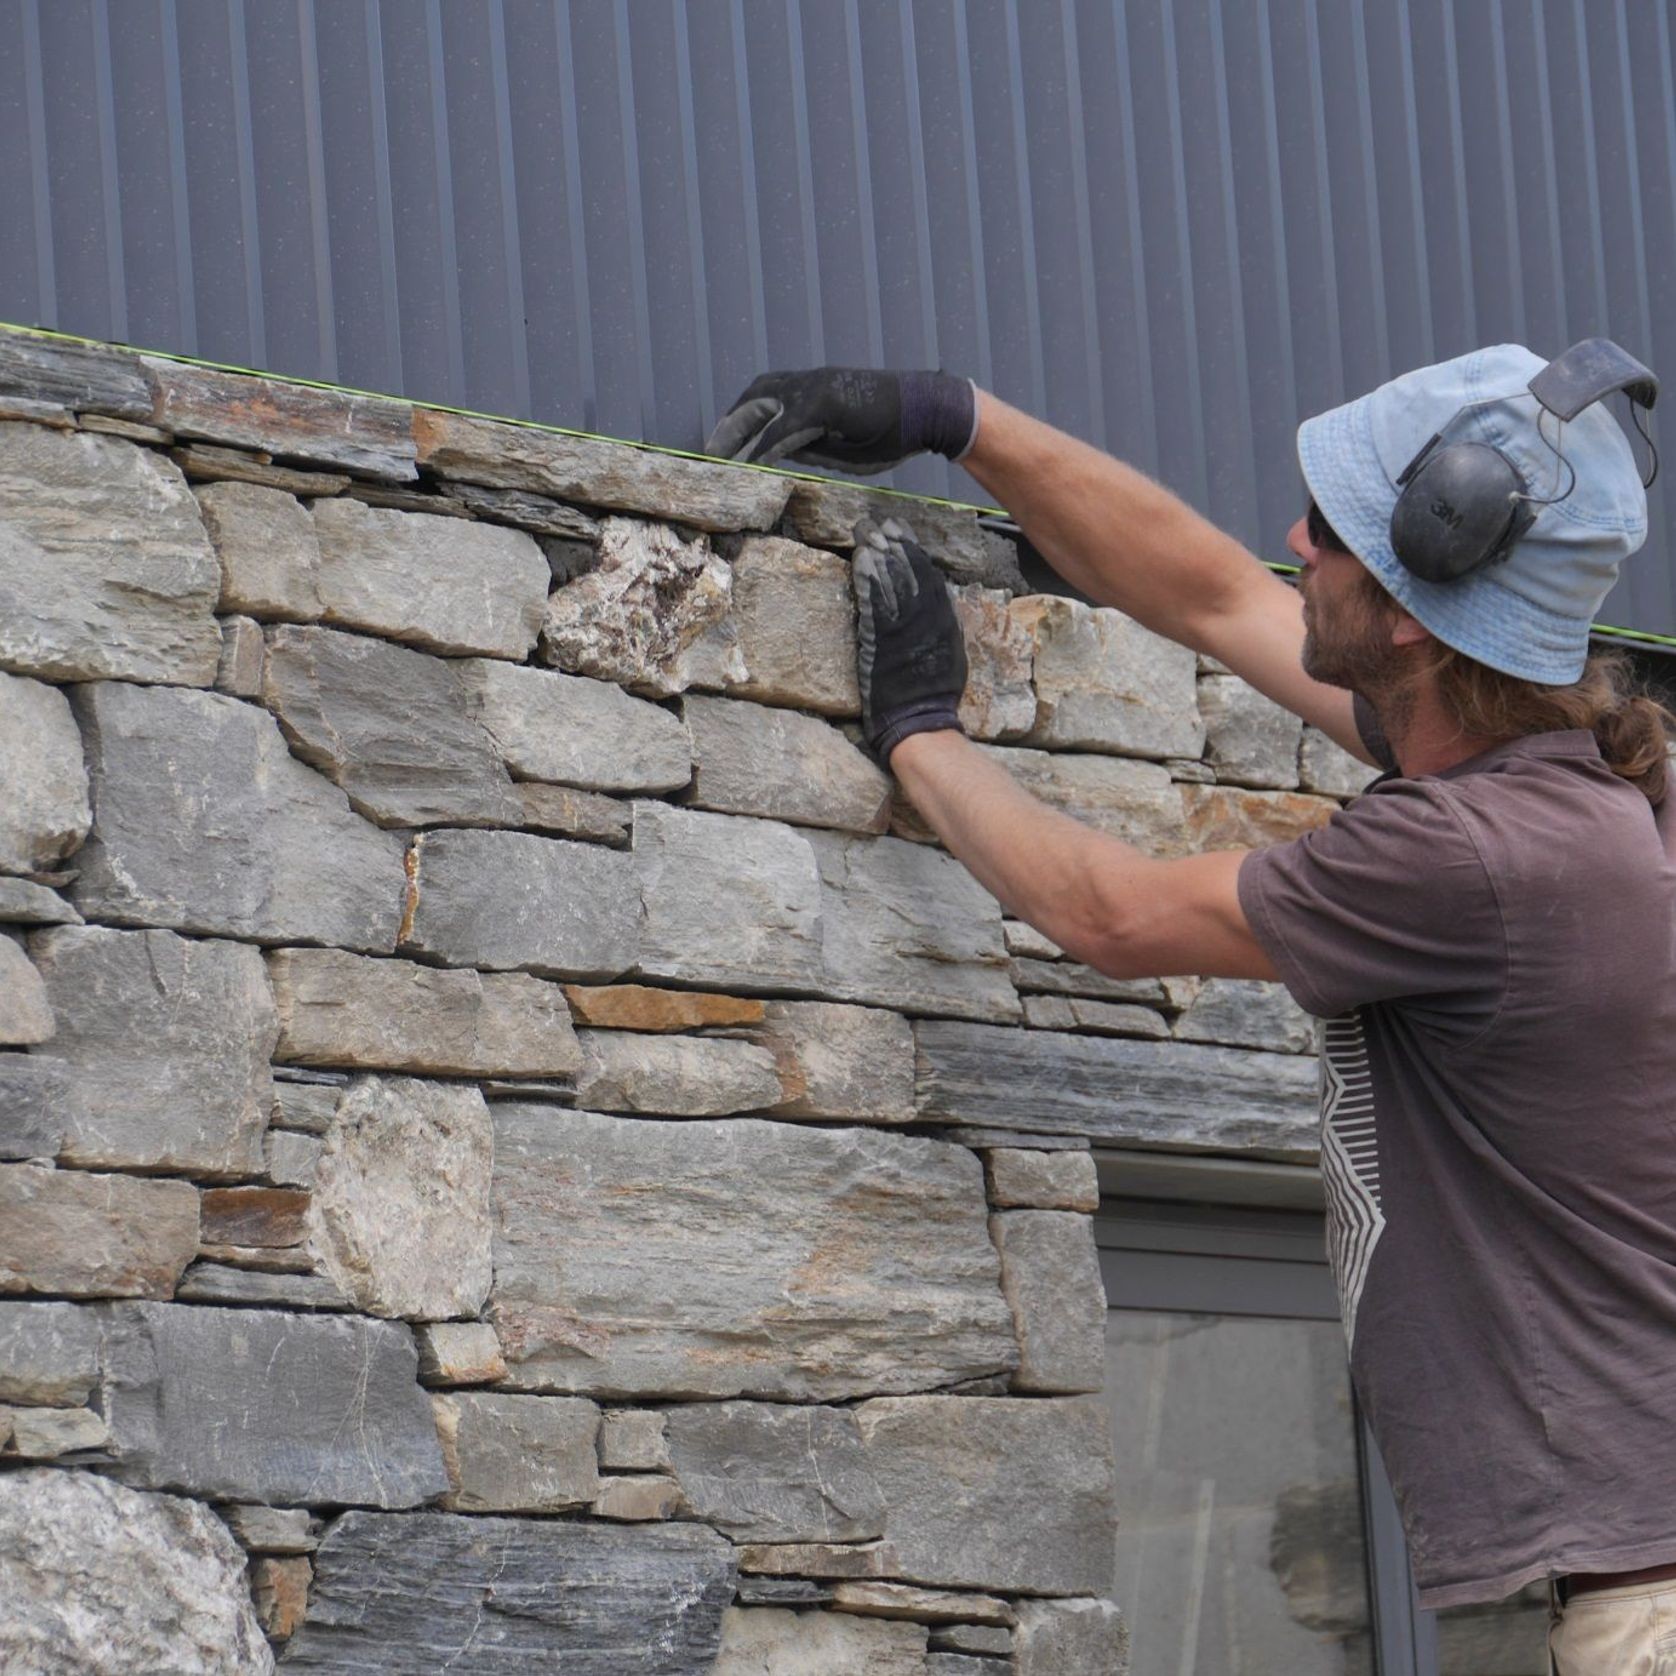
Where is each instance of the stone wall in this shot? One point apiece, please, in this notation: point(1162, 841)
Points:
point(519, 1153)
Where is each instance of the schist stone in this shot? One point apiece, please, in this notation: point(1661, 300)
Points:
point(44, 813)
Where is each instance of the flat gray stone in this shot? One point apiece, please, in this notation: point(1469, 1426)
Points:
point(44, 812)
point(751, 759)
point(776, 1641)
point(634, 1440)
point(291, 1158)
point(1002, 1493)
point(193, 1404)
point(399, 1212)
point(49, 1353)
point(48, 1434)
point(1136, 1093)
point(517, 1454)
point(654, 614)
point(104, 567)
point(460, 1353)
point(1245, 1012)
point(390, 725)
point(1249, 739)
point(25, 1011)
point(207, 823)
point(1025, 1178)
point(514, 901)
point(908, 927)
point(1095, 1018)
point(269, 553)
point(727, 902)
point(992, 1639)
point(272, 1530)
point(1050, 1273)
point(1055, 1636)
point(781, 1591)
point(539, 514)
point(343, 1009)
point(226, 1283)
point(1104, 683)
point(81, 1235)
point(165, 1043)
point(513, 1597)
point(76, 377)
point(579, 732)
point(674, 1076)
point(244, 653)
point(734, 1257)
point(34, 1106)
point(23, 902)
point(1326, 767)
point(370, 435)
point(775, 1472)
point(205, 462)
point(794, 620)
point(459, 588)
point(304, 1106)
point(837, 1061)
point(101, 1579)
point(708, 495)
point(562, 812)
point(1069, 977)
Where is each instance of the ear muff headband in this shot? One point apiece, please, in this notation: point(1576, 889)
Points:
point(1465, 505)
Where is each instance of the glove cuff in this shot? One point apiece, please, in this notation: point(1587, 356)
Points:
point(937, 717)
point(939, 412)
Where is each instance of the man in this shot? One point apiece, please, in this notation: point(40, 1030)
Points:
point(1489, 933)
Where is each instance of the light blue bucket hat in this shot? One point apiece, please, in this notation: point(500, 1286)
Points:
point(1529, 615)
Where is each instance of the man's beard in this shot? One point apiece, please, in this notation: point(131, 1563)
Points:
point(1354, 649)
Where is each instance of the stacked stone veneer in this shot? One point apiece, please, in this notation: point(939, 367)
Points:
point(519, 1153)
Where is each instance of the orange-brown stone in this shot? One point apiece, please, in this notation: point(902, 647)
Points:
point(1231, 818)
point(632, 1006)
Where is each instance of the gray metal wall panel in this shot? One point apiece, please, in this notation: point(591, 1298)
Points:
point(1171, 226)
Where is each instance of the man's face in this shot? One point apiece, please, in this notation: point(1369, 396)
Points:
point(1348, 617)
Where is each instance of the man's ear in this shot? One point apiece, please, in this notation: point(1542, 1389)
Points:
point(1409, 631)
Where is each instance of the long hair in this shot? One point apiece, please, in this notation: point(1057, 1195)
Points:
point(1633, 729)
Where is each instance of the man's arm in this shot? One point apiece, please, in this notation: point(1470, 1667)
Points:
point(1103, 901)
point(1124, 540)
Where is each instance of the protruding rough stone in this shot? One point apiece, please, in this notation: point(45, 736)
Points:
point(100, 1578)
point(74, 377)
point(908, 927)
point(674, 1076)
point(270, 556)
point(23, 902)
point(774, 1641)
point(390, 725)
point(1228, 818)
point(1000, 697)
point(104, 568)
point(1055, 1636)
point(548, 726)
point(94, 1236)
point(165, 1042)
point(752, 759)
point(44, 1434)
point(513, 901)
point(244, 655)
point(638, 1498)
point(1326, 767)
point(307, 1107)
point(653, 615)
point(840, 1061)
point(547, 1597)
point(776, 1472)
point(207, 823)
point(1243, 1012)
point(458, 588)
point(726, 901)
point(399, 1214)
point(1027, 942)
point(1033, 1180)
point(828, 1560)
point(514, 1454)
point(345, 1009)
point(794, 614)
point(634, 1440)
point(1050, 1273)
point(25, 1012)
point(44, 813)
point(291, 1158)
point(1103, 683)
point(271, 1530)
point(459, 1353)
point(633, 1006)
point(927, 1606)
point(193, 1404)
point(964, 1479)
point(279, 1588)
point(49, 1354)
point(990, 1639)
point(1094, 1018)
point(738, 1258)
point(708, 495)
point(1249, 739)
point(1139, 1093)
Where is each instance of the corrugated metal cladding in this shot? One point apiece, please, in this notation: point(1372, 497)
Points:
point(1171, 226)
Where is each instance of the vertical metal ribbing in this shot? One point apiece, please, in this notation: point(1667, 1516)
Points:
point(796, 70)
point(1148, 410)
point(1509, 202)
point(748, 183)
point(703, 361)
point(506, 170)
point(255, 350)
point(1077, 141)
point(1192, 381)
point(383, 197)
point(1370, 187)
point(110, 179)
point(448, 250)
point(180, 203)
point(1550, 171)
point(915, 123)
point(1632, 168)
point(586, 367)
point(1277, 207)
point(1598, 320)
point(646, 373)
point(1331, 336)
point(1457, 156)
point(864, 186)
point(314, 150)
point(1026, 215)
point(974, 201)
point(34, 93)
point(1417, 179)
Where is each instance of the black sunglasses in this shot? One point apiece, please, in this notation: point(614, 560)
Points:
point(1321, 533)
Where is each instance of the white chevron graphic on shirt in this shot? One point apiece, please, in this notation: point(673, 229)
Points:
point(1349, 1160)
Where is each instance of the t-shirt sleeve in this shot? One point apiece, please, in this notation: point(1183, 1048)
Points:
point(1388, 902)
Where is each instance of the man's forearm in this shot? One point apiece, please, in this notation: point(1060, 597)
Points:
point(1109, 530)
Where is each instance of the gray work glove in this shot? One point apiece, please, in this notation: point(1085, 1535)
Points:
point(848, 419)
point(912, 656)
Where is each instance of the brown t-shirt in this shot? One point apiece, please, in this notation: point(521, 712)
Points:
point(1492, 950)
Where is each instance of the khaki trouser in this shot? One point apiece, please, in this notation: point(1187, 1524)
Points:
point(1627, 1631)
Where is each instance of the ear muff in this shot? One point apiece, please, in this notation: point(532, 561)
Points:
point(1462, 507)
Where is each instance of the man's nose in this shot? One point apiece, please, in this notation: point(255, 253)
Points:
point(1297, 540)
